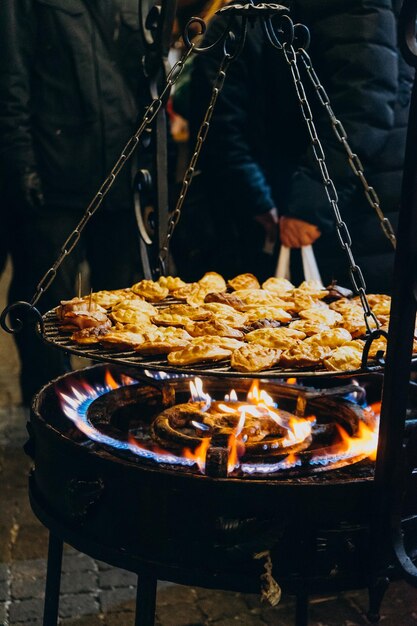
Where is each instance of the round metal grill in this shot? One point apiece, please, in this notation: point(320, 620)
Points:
point(96, 352)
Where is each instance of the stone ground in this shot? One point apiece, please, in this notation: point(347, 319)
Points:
point(95, 594)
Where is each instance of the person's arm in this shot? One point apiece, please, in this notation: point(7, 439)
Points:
point(17, 158)
point(227, 156)
point(354, 52)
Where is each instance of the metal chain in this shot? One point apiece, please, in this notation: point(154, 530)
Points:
point(355, 272)
point(150, 114)
point(354, 161)
point(188, 176)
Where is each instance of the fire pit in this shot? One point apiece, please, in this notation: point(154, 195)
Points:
point(176, 422)
point(131, 472)
point(250, 489)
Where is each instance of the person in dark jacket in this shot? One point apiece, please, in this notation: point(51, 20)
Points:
point(258, 161)
point(4, 246)
point(70, 96)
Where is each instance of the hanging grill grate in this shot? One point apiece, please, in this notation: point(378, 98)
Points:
point(52, 334)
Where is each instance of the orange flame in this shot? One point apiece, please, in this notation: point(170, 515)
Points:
point(134, 442)
point(291, 459)
point(110, 382)
point(374, 408)
point(364, 442)
point(198, 455)
point(259, 404)
point(126, 380)
point(257, 396)
point(301, 428)
point(236, 449)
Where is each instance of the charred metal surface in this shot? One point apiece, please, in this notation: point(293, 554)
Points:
point(83, 495)
point(168, 395)
point(217, 456)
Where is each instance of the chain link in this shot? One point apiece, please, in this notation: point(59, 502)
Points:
point(341, 135)
point(150, 114)
point(345, 239)
point(188, 176)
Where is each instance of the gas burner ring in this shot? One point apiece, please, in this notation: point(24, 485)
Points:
point(260, 435)
point(127, 421)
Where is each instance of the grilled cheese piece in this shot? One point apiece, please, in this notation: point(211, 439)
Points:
point(254, 358)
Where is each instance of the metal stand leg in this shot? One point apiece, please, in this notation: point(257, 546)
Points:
point(376, 594)
point(145, 600)
point(53, 581)
point(301, 609)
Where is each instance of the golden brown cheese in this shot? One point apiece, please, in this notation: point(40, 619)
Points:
point(254, 358)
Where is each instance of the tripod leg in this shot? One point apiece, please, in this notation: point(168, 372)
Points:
point(376, 594)
point(53, 581)
point(301, 609)
point(145, 600)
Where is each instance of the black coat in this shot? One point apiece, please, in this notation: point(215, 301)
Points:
point(69, 97)
point(258, 151)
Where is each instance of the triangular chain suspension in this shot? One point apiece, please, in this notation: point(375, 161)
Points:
point(232, 46)
point(345, 240)
point(341, 135)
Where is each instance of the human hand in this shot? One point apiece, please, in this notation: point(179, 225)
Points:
point(297, 233)
point(269, 222)
point(30, 189)
point(179, 128)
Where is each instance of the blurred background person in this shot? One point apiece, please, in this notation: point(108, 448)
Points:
point(70, 93)
point(258, 168)
point(194, 243)
point(3, 232)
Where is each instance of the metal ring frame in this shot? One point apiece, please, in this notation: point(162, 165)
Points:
point(52, 335)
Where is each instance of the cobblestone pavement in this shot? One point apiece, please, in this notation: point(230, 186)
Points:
point(93, 593)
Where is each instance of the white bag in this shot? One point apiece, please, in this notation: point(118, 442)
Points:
point(310, 269)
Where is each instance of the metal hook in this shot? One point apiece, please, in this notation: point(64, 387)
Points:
point(375, 334)
point(302, 37)
point(17, 324)
point(188, 34)
point(281, 32)
point(232, 45)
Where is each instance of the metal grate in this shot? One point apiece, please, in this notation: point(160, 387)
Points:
point(97, 352)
